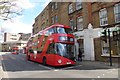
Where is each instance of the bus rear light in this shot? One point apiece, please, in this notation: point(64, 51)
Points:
point(59, 61)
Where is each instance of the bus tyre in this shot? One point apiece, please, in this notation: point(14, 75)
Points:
point(44, 61)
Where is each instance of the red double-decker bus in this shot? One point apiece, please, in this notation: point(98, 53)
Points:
point(15, 50)
point(52, 46)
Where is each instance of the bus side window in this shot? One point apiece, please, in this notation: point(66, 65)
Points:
point(47, 33)
point(39, 52)
point(51, 49)
point(31, 51)
point(39, 35)
point(51, 31)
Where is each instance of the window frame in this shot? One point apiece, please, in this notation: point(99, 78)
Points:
point(105, 45)
point(53, 19)
point(56, 18)
point(78, 4)
point(117, 13)
point(52, 7)
point(81, 27)
point(71, 22)
point(70, 8)
point(103, 17)
point(56, 5)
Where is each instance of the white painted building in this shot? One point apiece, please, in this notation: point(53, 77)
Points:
point(88, 36)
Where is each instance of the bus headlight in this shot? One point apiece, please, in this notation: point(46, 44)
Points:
point(63, 38)
point(59, 61)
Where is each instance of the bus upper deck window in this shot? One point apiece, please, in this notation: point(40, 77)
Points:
point(51, 31)
point(60, 30)
point(64, 30)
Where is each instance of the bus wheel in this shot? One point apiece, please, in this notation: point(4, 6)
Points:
point(44, 61)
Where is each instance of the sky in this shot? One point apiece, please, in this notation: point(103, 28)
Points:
point(23, 23)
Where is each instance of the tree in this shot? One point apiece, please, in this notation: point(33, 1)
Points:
point(9, 9)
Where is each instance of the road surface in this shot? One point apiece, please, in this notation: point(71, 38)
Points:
point(16, 66)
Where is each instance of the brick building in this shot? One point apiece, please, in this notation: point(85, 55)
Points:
point(88, 20)
point(100, 16)
point(106, 16)
point(41, 21)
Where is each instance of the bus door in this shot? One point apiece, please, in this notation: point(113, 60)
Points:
point(50, 54)
point(35, 55)
point(31, 54)
point(39, 56)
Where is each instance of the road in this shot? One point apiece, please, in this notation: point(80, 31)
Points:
point(16, 66)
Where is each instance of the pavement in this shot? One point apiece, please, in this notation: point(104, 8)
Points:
point(98, 63)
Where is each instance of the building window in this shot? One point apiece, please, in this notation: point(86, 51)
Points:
point(70, 8)
point(52, 6)
point(53, 20)
point(105, 48)
point(72, 24)
point(36, 19)
point(80, 23)
point(47, 22)
point(14, 35)
point(56, 18)
point(56, 5)
point(13, 38)
point(117, 12)
point(42, 17)
point(78, 4)
point(42, 26)
point(103, 17)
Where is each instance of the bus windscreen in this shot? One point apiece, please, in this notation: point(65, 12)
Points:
point(65, 50)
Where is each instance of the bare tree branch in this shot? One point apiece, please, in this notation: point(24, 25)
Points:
point(9, 9)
